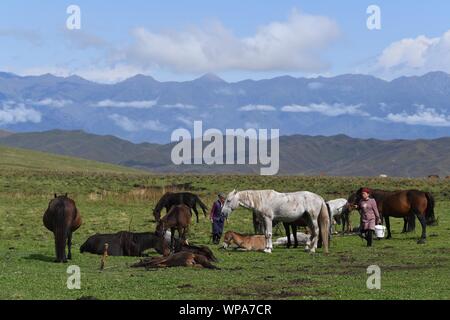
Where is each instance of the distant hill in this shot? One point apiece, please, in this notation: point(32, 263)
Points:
point(4, 133)
point(13, 158)
point(143, 109)
point(309, 155)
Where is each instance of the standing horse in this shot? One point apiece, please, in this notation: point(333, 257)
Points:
point(284, 207)
point(62, 218)
point(335, 209)
point(170, 199)
point(178, 218)
point(402, 204)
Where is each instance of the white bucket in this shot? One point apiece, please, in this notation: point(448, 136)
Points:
point(379, 231)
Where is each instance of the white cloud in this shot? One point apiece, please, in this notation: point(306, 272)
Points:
point(257, 107)
point(49, 102)
point(315, 85)
point(251, 125)
point(414, 56)
point(326, 109)
point(423, 116)
point(130, 125)
point(179, 106)
point(186, 121)
point(29, 36)
point(296, 44)
point(12, 114)
point(141, 104)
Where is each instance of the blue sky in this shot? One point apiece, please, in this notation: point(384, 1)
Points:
point(179, 40)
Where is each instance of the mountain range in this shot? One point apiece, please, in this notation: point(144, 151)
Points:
point(338, 155)
point(142, 109)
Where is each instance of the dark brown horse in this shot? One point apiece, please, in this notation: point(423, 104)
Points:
point(179, 259)
point(401, 204)
point(62, 218)
point(170, 199)
point(178, 218)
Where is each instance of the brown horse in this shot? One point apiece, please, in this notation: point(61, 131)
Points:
point(179, 259)
point(244, 242)
point(178, 218)
point(401, 204)
point(62, 218)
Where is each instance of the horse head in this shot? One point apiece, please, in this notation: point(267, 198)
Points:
point(231, 203)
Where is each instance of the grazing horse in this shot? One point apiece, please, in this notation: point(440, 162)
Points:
point(62, 218)
point(178, 218)
point(170, 199)
point(179, 259)
point(273, 206)
point(401, 204)
point(245, 242)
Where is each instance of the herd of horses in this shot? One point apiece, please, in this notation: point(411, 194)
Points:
point(269, 207)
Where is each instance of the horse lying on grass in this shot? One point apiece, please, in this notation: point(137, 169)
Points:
point(179, 259)
point(302, 239)
point(244, 242)
point(132, 244)
point(123, 243)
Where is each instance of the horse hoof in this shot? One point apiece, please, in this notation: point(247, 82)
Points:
point(267, 250)
point(421, 241)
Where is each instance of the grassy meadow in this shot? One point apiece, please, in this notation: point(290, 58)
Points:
point(111, 198)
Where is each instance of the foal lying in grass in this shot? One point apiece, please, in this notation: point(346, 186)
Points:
point(244, 242)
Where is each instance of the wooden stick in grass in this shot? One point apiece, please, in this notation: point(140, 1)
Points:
point(104, 256)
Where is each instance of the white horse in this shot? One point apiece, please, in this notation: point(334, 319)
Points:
point(284, 207)
point(335, 208)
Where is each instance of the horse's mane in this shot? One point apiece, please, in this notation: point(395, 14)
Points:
point(254, 198)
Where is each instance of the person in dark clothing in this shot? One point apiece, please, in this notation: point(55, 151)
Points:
point(217, 219)
point(369, 215)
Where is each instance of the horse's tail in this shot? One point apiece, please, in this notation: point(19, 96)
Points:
point(324, 224)
point(429, 213)
point(61, 230)
point(202, 205)
point(330, 219)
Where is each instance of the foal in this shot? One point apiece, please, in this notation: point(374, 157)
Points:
point(178, 218)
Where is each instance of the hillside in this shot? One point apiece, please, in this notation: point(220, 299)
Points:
point(4, 133)
point(142, 109)
point(336, 155)
point(13, 158)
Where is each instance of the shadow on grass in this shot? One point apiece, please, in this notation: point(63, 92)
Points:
point(40, 257)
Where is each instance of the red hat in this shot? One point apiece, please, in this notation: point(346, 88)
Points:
point(366, 190)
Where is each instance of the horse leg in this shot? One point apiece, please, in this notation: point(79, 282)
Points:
point(288, 235)
point(405, 224)
point(69, 245)
point(423, 222)
point(294, 231)
point(172, 239)
point(315, 235)
point(388, 227)
point(268, 234)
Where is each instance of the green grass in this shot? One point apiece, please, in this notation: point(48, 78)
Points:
point(113, 201)
point(21, 159)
